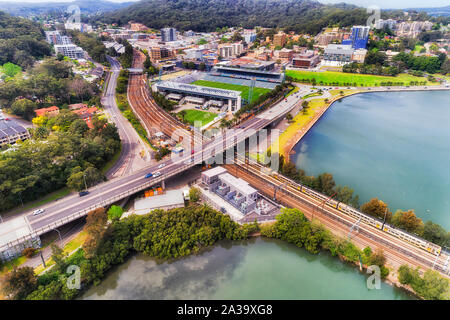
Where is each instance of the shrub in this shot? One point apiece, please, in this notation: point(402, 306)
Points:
point(29, 252)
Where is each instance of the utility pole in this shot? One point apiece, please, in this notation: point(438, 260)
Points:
point(384, 220)
point(20, 197)
point(43, 261)
point(84, 178)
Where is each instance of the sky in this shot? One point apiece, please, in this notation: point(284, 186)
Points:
point(37, 1)
point(393, 4)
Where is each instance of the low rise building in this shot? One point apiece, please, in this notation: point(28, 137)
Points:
point(286, 54)
point(305, 60)
point(47, 112)
point(169, 200)
point(359, 55)
point(11, 132)
point(234, 190)
point(338, 53)
point(161, 53)
point(87, 114)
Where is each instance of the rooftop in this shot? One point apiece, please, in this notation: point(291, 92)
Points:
point(199, 89)
point(237, 183)
point(170, 198)
point(214, 172)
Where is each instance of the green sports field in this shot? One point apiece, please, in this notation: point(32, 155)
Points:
point(243, 89)
point(198, 115)
point(348, 79)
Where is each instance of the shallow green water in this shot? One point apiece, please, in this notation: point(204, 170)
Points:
point(392, 145)
point(254, 269)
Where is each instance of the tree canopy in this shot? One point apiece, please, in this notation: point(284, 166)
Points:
point(21, 41)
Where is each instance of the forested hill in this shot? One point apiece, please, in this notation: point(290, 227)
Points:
point(207, 15)
point(87, 7)
point(21, 41)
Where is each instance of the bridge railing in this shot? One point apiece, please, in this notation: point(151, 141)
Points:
point(101, 203)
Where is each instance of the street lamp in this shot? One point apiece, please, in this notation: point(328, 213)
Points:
point(59, 234)
point(384, 220)
point(84, 178)
point(20, 197)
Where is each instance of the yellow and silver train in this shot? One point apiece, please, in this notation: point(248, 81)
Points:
point(401, 234)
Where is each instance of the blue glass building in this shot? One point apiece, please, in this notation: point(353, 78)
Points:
point(359, 37)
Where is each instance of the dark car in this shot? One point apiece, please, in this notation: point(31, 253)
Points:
point(148, 175)
point(83, 193)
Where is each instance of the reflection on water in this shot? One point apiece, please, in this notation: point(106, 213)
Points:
point(254, 269)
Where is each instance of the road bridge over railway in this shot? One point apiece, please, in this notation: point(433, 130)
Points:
point(19, 231)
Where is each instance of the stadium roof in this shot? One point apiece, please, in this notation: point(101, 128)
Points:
point(248, 70)
point(194, 89)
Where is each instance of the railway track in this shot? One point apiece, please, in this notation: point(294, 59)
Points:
point(153, 117)
point(396, 251)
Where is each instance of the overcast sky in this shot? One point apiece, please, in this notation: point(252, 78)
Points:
point(383, 4)
point(60, 0)
point(394, 4)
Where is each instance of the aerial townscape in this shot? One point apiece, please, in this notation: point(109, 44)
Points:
point(224, 150)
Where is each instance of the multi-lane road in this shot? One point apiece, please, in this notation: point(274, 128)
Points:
point(72, 207)
point(132, 144)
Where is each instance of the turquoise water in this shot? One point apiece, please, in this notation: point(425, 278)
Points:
point(254, 269)
point(394, 146)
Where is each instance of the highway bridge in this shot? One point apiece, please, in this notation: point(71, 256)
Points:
point(15, 233)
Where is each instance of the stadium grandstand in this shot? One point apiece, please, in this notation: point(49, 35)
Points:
point(214, 77)
point(230, 97)
point(248, 74)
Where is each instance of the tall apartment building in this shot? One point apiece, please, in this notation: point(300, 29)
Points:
point(168, 34)
point(249, 37)
point(358, 38)
point(82, 27)
point(55, 37)
point(279, 39)
point(381, 23)
point(70, 50)
point(238, 48)
point(326, 38)
point(413, 28)
point(226, 51)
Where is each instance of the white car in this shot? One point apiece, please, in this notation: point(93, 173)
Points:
point(156, 174)
point(162, 165)
point(38, 211)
